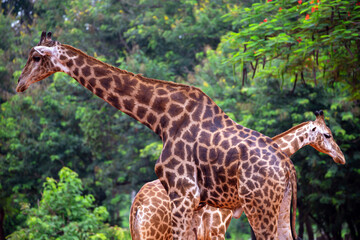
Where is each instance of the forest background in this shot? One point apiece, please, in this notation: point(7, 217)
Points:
point(70, 163)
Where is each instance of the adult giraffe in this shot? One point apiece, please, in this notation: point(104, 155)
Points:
point(150, 216)
point(207, 158)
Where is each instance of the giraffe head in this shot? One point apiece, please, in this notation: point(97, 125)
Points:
point(322, 139)
point(42, 62)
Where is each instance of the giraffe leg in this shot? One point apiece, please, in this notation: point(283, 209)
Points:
point(263, 213)
point(284, 229)
point(264, 226)
point(182, 209)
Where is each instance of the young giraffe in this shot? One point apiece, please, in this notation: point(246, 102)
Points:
point(207, 158)
point(150, 216)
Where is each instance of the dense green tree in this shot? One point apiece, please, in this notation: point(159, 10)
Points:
point(65, 213)
point(315, 41)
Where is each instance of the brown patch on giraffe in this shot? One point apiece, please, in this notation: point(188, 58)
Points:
point(179, 149)
point(99, 92)
point(88, 86)
point(197, 96)
point(141, 111)
point(243, 152)
point(189, 172)
point(82, 80)
point(70, 53)
point(181, 170)
point(171, 178)
point(191, 135)
point(178, 97)
point(225, 144)
point(92, 82)
point(172, 164)
point(159, 104)
point(178, 126)
point(86, 71)
point(161, 92)
point(175, 110)
point(229, 122)
point(208, 112)
point(205, 138)
point(213, 155)
point(151, 119)
point(91, 61)
point(69, 63)
point(129, 104)
point(101, 72)
point(206, 173)
point(122, 89)
point(159, 171)
point(295, 144)
point(232, 171)
point(166, 153)
point(261, 143)
point(144, 94)
point(164, 121)
point(196, 115)
point(203, 154)
point(114, 100)
point(231, 156)
point(190, 106)
point(79, 61)
point(76, 72)
point(216, 139)
point(106, 82)
point(243, 135)
point(63, 57)
point(170, 88)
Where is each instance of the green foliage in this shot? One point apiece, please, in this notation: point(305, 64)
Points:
point(64, 213)
point(175, 31)
point(315, 41)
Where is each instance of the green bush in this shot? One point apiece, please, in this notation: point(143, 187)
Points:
point(64, 213)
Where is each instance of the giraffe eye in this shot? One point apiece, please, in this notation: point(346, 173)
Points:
point(36, 58)
point(313, 129)
point(327, 135)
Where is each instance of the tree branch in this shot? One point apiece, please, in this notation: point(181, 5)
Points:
point(257, 61)
point(348, 50)
point(293, 90)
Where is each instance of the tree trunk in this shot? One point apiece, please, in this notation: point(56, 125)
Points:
point(309, 228)
point(301, 223)
point(2, 217)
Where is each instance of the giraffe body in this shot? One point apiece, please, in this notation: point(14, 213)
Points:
point(210, 222)
point(207, 158)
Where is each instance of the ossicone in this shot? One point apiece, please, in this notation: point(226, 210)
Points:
point(319, 113)
point(45, 39)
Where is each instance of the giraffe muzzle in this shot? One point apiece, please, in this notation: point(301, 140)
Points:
point(340, 160)
point(21, 87)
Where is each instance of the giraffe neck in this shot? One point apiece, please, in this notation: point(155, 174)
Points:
point(162, 106)
point(293, 139)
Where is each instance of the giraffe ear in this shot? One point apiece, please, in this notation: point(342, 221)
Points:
point(44, 51)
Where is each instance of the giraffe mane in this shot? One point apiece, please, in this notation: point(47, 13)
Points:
point(290, 130)
point(152, 80)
